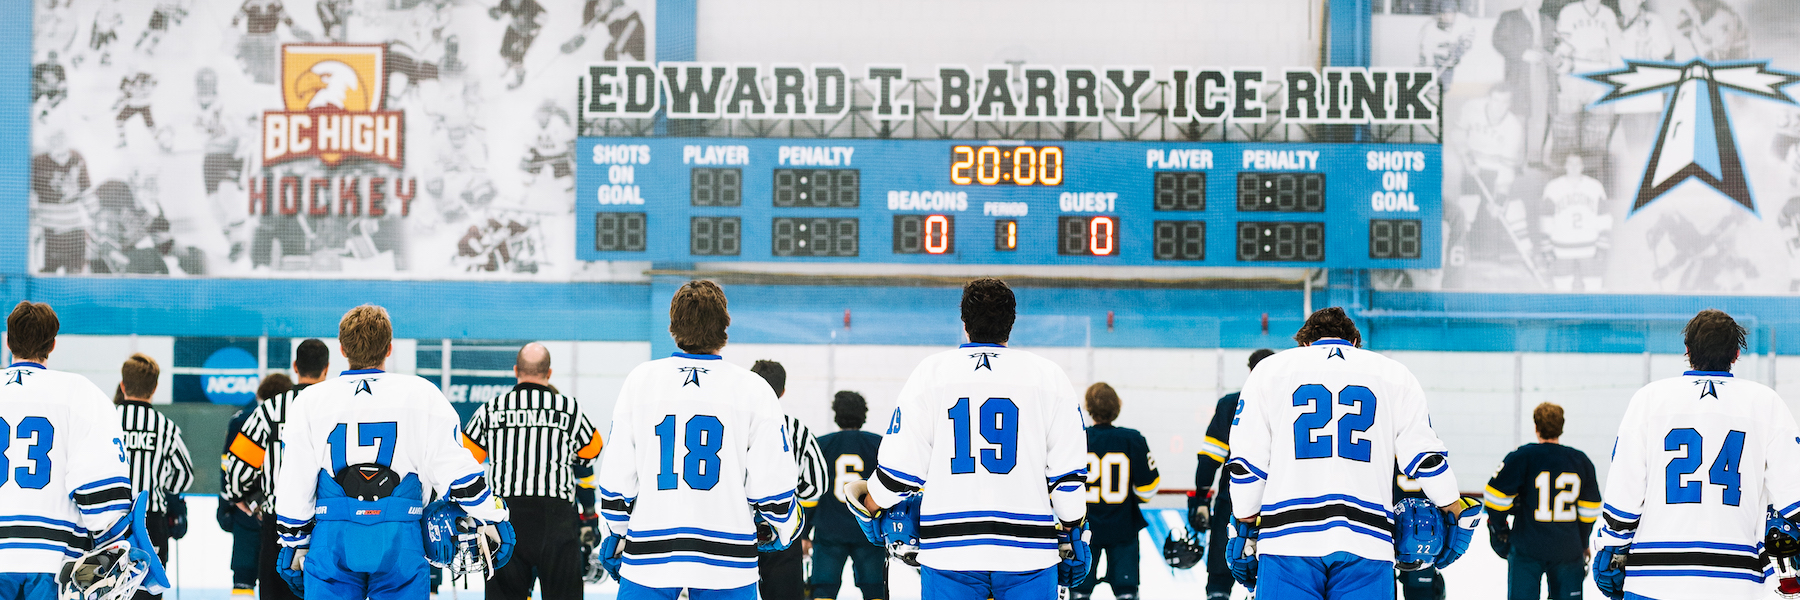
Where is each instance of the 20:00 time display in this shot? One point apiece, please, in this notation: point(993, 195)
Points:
point(1006, 165)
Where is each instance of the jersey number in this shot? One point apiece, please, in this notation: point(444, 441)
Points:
point(1307, 445)
point(849, 466)
point(380, 435)
point(1724, 472)
point(999, 426)
point(704, 439)
point(1108, 476)
point(43, 437)
point(1562, 509)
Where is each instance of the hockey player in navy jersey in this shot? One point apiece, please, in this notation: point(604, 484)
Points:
point(1318, 433)
point(850, 455)
point(1121, 476)
point(361, 451)
point(992, 435)
point(1551, 494)
point(1209, 509)
point(1698, 462)
point(700, 475)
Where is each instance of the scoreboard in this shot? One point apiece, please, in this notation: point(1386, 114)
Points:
point(1009, 202)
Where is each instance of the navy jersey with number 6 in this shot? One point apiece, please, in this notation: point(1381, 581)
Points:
point(1121, 476)
point(1553, 497)
point(850, 453)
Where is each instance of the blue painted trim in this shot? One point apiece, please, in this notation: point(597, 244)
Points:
point(695, 356)
point(1350, 25)
point(676, 29)
point(15, 128)
point(1707, 374)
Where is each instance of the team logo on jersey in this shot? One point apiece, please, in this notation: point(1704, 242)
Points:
point(1335, 352)
point(17, 376)
point(982, 360)
point(1696, 141)
point(362, 387)
point(333, 94)
point(693, 375)
point(1709, 387)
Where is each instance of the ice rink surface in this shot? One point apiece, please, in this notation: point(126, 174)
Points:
point(201, 569)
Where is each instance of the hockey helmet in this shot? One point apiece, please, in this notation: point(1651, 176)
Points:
point(112, 572)
point(1419, 534)
point(1183, 551)
point(1782, 542)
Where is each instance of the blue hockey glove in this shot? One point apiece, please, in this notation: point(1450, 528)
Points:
point(612, 554)
point(1461, 521)
point(500, 539)
point(290, 564)
point(1609, 570)
point(1072, 543)
point(769, 540)
point(1240, 553)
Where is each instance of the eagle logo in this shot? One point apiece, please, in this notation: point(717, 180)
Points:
point(345, 77)
point(332, 96)
point(332, 85)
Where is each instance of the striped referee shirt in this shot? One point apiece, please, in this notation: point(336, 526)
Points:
point(159, 459)
point(813, 477)
point(254, 457)
point(531, 439)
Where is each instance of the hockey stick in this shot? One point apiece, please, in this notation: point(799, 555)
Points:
point(1492, 206)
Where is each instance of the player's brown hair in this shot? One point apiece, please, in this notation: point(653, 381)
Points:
point(138, 376)
point(31, 331)
point(273, 385)
point(365, 334)
point(1549, 420)
point(698, 317)
point(988, 310)
point(1713, 339)
point(1102, 403)
point(1329, 322)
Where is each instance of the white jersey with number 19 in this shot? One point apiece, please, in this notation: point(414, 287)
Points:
point(1318, 433)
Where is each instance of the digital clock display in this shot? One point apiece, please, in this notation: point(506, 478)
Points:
point(818, 188)
point(927, 234)
point(715, 187)
point(715, 236)
point(1006, 165)
point(1180, 240)
point(1183, 191)
point(830, 237)
point(1394, 238)
point(1281, 192)
point(1087, 236)
point(1281, 241)
point(619, 231)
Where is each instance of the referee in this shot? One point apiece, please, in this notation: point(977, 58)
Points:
point(254, 460)
point(159, 460)
point(784, 573)
point(532, 438)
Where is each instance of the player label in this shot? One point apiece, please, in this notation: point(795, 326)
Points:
point(715, 155)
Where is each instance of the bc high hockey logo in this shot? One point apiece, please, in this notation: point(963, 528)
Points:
point(1696, 140)
point(333, 95)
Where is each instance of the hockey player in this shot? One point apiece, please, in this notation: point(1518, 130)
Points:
point(1209, 509)
point(993, 435)
point(1712, 30)
point(159, 458)
point(522, 27)
point(1318, 433)
point(71, 477)
point(1444, 40)
point(1121, 476)
point(836, 537)
point(1697, 463)
point(1556, 484)
point(700, 475)
point(783, 574)
point(1576, 231)
point(254, 461)
point(361, 450)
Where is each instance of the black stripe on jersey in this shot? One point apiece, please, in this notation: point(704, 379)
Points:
point(1694, 558)
point(468, 492)
point(620, 506)
point(895, 485)
point(1618, 525)
point(33, 532)
point(103, 496)
point(927, 532)
point(776, 508)
point(687, 544)
point(1313, 514)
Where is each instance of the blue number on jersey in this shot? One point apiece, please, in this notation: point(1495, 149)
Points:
point(380, 435)
point(1308, 445)
point(1724, 472)
point(705, 438)
point(43, 437)
point(999, 426)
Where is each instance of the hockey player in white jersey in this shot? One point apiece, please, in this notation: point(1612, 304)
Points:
point(699, 476)
point(362, 449)
point(1697, 464)
point(993, 436)
point(1576, 230)
point(69, 477)
point(1318, 433)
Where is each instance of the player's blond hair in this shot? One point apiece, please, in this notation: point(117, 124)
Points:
point(365, 334)
point(698, 317)
point(138, 375)
point(1102, 403)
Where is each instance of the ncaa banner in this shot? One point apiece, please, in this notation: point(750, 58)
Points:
point(404, 139)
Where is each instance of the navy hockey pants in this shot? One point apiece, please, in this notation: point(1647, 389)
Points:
point(27, 586)
point(632, 591)
point(868, 568)
point(1121, 571)
point(1331, 577)
point(1525, 573)
point(985, 585)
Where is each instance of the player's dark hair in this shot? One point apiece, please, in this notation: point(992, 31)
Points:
point(1259, 355)
point(1713, 339)
point(1329, 322)
point(698, 317)
point(365, 334)
point(533, 364)
point(773, 373)
point(31, 331)
point(1549, 420)
point(988, 310)
point(138, 375)
point(273, 385)
point(1102, 403)
point(311, 359)
point(849, 410)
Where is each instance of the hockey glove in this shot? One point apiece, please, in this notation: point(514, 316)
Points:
point(177, 512)
point(1499, 536)
point(1240, 553)
point(1609, 570)
point(612, 554)
point(500, 540)
point(291, 565)
point(1463, 518)
point(1072, 543)
point(1199, 513)
point(767, 539)
point(854, 494)
point(590, 528)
